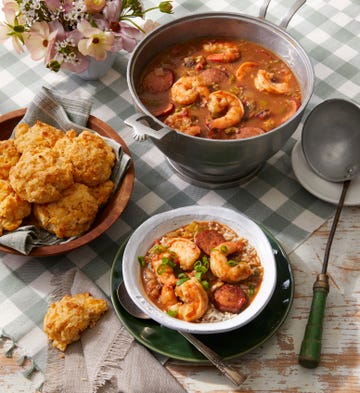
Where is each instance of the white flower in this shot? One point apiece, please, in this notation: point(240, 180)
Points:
point(96, 42)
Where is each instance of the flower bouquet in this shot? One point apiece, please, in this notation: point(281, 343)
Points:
point(66, 34)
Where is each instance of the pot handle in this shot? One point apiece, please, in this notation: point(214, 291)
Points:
point(141, 125)
point(286, 19)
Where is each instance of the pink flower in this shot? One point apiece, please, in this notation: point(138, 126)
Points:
point(38, 39)
point(96, 42)
point(63, 53)
point(126, 37)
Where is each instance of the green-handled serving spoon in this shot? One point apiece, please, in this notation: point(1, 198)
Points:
point(331, 145)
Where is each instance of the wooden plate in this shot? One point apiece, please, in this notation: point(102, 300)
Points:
point(107, 216)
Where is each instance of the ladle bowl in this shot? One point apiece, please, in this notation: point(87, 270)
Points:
point(331, 140)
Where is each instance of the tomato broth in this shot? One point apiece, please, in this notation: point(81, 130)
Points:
point(220, 88)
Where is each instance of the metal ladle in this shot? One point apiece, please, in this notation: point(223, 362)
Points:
point(232, 374)
point(331, 145)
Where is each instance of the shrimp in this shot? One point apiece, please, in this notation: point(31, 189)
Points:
point(182, 121)
point(194, 300)
point(244, 69)
point(151, 284)
point(186, 250)
point(164, 271)
point(187, 89)
point(167, 297)
point(226, 105)
point(263, 82)
point(226, 269)
point(222, 52)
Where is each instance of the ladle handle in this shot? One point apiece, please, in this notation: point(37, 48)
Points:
point(235, 377)
point(310, 350)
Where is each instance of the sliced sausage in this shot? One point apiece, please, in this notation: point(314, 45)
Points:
point(164, 110)
point(230, 298)
point(247, 132)
point(158, 80)
point(209, 239)
point(213, 75)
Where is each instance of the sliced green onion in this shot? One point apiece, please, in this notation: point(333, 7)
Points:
point(202, 266)
point(197, 264)
point(163, 265)
point(205, 261)
point(182, 277)
point(167, 261)
point(158, 249)
point(251, 290)
point(205, 284)
point(224, 249)
point(172, 313)
point(142, 261)
point(200, 269)
point(232, 263)
point(161, 268)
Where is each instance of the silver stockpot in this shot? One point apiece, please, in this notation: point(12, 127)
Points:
point(219, 163)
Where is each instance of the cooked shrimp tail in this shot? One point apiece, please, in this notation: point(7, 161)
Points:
point(226, 107)
point(187, 90)
point(194, 300)
point(163, 269)
point(186, 251)
point(244, 69)
point(263, 82)
point(229, 270)
point(222, 52)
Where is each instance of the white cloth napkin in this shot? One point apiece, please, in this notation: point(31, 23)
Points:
point(106, 358)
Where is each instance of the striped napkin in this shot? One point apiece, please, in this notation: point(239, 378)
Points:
point(58, 110)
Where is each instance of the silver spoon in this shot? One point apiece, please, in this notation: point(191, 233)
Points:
point(331, 145)
point(232, 374)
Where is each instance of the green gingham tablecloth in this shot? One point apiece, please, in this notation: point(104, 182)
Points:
point(328, 30)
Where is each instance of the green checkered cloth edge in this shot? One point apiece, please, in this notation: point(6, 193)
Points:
point(328, 31)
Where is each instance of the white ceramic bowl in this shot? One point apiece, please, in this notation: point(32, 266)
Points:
point(157, 226)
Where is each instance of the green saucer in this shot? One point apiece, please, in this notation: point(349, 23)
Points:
point(228, 345)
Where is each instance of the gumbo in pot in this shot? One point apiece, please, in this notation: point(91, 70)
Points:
point(220, 88)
